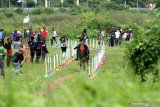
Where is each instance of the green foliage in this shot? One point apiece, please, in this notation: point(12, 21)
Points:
point(75, 10)
point(49, 10)
point(137, 29)
point(115, 6)
point(38, 10)
point(62, 10)
point(9, 14)
point(144, 53)
point(19, 10)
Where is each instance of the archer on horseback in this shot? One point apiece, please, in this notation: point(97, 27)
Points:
point(82, 49)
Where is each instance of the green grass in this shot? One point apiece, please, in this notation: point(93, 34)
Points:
point(114, 86)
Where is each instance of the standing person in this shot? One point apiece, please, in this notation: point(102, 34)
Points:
point(64, 41)
point(99, 37)
point(25, 36)
point(44, 34)
point(117, 35)
point(102, 33)
point(112, 39)
point(2, 55)
point(9, 51)
point(15, 35)
point(30, 31)
point(2, 36)
point(17, 45)
point(54, 36)
point(44, 51)
point(109, 36)
point(32, 45)
point(18, 58)
point(38, 48)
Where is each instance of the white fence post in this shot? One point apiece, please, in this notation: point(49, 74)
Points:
point(46, 65)
point(50, 64)
point(54, 60)
point(60, 59)
point(90, 43)
point(89, 73)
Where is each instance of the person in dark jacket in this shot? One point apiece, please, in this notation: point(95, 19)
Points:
point(38, 48)
point(2, 55)
point(32, 45)
point(9, 51)
point(18, 60)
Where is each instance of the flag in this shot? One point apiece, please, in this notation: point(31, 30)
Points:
point(26, 19)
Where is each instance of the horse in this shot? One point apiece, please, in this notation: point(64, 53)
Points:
point(83, 54)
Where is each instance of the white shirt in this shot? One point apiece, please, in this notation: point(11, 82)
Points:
point(117, 34)
point(102, 33)
point(54, 34)
point(124, 35)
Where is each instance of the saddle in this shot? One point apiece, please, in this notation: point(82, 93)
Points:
point(82, 48)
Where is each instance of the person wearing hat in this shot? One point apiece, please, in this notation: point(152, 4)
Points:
point(2, 55)
point(84, 36)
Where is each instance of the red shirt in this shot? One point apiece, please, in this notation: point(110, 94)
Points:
point(44, 33)
point(9, 52)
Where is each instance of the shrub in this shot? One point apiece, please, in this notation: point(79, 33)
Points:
point(38, 10)
point(144, 53)
point(19, 10)
point(115, 6)
point(63, 10)
point(78, 9)
point(49, 10)
point(9, 14)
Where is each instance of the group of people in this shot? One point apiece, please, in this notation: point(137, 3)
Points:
point(35, 41)
point(117, 36)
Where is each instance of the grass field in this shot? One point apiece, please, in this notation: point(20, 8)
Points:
point(114, 86)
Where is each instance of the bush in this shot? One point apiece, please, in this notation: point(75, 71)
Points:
point(19, 10)
point(38, 10)
point(144, 53)
point(9, 14)
point(115, 6)
point(63, 10)
point(137, 30)
point(49, 10)
point(78, 9)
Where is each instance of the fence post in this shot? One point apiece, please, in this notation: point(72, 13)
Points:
point(57, 60)
point(89, 73)
point(54, 62)
point(90, 43)
point(46, 65)
point(60, 59)
point(96, 44)
point(50, 63)
point(92, 66)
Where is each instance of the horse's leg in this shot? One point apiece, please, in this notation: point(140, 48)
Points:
point(84, 64)
point(80, 64)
